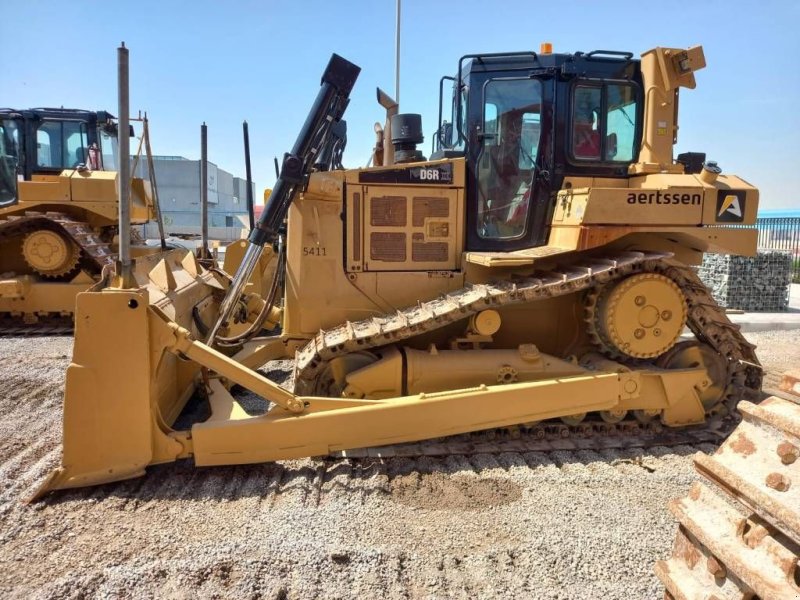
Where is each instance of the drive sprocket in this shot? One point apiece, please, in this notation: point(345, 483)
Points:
point(639, 317)
point(50, 254)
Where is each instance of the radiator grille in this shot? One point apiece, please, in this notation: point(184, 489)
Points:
point(425, 207)
point(429, 252)
point(387, 247)
point(388, 211)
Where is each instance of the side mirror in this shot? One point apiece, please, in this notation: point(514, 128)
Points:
point(611, 145)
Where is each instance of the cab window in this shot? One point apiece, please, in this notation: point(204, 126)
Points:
point(604, 122)
point(61, 144)
point(48, 144)
point(585, 123)
point(621, 116)
point(510, 142)
point(110, 150)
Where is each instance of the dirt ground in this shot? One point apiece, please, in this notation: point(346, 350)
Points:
point(524, 525)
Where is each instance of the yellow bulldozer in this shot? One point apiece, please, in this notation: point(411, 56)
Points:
point(58, 212)
point(532, 278)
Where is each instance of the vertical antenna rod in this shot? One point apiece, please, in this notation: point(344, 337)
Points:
point(153, 184)
point(124, 267)
point(397, 55)
point(248, 174)
point(204, 253)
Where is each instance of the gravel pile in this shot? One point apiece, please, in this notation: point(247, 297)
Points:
point(576, 524)
point(759, 284)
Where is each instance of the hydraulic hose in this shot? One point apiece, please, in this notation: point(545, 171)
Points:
point(278, 280)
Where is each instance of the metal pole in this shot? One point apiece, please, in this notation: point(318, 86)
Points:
point(124, 267)
point(152, 172)
point(204, 253)
point(397, 55)
point(250, 210)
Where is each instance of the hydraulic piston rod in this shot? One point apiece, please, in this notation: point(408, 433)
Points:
point(328, 108)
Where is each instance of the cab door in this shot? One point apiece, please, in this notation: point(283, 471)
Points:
point(510, 145)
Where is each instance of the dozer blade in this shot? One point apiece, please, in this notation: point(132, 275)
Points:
point(137, 361)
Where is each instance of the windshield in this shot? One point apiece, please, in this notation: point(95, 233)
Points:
point(9, 158)
point(512, 110)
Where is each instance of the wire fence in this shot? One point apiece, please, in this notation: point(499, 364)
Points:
point(781, 233)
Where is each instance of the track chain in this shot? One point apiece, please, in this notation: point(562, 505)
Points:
point(11, 326)
point(95, 250)
point(95, 254)
point(706, 320)
point(546, 437)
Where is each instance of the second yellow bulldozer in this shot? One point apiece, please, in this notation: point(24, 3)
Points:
point(58, 212)
point(534, 274)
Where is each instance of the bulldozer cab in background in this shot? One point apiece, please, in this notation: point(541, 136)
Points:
point(45, 141)
point(58, 212)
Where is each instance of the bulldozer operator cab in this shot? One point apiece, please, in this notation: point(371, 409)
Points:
point(45, 141)
point(525, 121)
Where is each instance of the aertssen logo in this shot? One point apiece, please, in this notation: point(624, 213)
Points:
point(659, 197)
point(730, 206)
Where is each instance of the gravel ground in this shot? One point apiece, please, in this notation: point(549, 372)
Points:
point(559, 525)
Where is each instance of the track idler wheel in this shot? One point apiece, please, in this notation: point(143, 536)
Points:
point(641, 316)
point(50, 254)
point(693, 354)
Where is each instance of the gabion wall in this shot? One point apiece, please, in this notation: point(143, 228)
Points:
point(757, 284)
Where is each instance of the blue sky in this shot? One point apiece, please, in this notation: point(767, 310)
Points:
point(222, 62)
